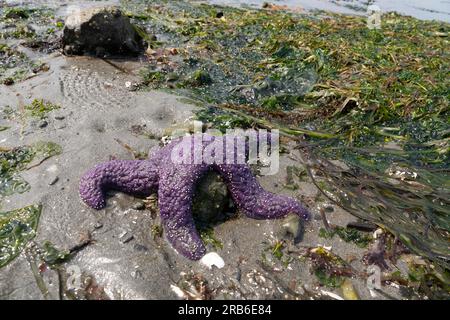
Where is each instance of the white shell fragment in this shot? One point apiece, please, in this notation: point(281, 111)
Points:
point(212, 259)
point(332, 295)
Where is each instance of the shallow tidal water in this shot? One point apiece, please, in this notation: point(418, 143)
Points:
point(426, 10)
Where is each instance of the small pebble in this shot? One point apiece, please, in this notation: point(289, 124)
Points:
point(128, 239)
point(53, 181)
point(140, 247)
point(98, 225)
point(238, 275)
point(137, 274)
point(125, 237)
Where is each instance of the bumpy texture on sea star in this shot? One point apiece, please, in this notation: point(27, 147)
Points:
point(176, 184)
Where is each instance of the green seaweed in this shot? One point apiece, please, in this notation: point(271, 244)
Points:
point(39, 108)
point(17, 228)
point(408, 200)
point(11, 162)
point(17, 13)
point(53, 256)
point(199, 78)
point(14, 160)
point(14, 65)
point(278, 251)
point(18, 20)
point(430, 281)
point(157, 231)
point(209, 238)
point(222, 119)
point(348, 235)
point(332, 67)
point(329, 268)
point(46, 149)
point(424, 277)
point(328, 280)
point(31, 26)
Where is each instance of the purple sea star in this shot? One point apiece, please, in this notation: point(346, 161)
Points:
point(176, 184)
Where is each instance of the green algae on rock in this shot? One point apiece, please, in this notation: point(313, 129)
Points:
point(14, 65)
point(21, 22)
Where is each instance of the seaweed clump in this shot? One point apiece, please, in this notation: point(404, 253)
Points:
point(39, 108)
point(14, 160)
point(17, 228)
point(329, 268)
point(348, 235)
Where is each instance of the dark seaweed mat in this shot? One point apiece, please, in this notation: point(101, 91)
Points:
point(411, 202)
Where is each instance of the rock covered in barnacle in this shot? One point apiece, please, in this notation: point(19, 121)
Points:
point(212, 198)
point(100, 31)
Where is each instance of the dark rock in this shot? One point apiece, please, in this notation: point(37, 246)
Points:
point(140, 247)
point(139, 206)
point(8, 81)
point(100, 31)
point(53, 180)
point(42, 124)
point(98, 225)
point(362, 226)
point(292, 228)
point(126, 237)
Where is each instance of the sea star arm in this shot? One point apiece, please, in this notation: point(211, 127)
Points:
point(253, 200)
point(175, 195)
point(129, 176)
